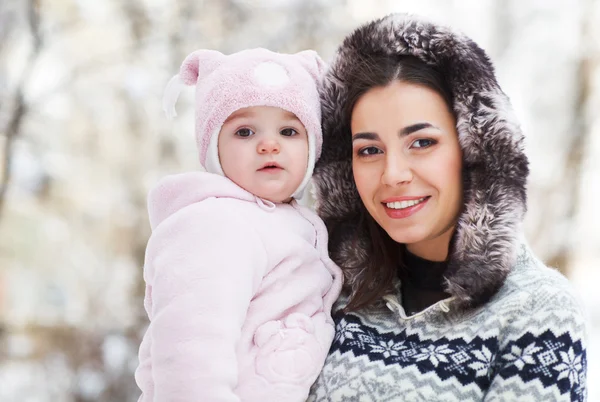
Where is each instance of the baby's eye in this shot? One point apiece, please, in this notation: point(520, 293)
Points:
point(422, 143)
point(288, 132)
point(369, 151)
point(244, 132)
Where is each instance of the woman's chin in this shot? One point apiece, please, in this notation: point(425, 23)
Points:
point(406, 237)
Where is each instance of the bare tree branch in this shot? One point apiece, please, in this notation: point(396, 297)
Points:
point(581, 132)
point(20, 108)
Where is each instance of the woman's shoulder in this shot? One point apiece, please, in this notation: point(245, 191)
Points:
point(539, 287)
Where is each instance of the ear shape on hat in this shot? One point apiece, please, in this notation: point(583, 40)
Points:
point(199, 64)
point(312, 62)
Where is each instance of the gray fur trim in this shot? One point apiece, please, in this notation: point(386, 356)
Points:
point(495, 166)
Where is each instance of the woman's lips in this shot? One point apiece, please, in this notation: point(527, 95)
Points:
point(401, 213)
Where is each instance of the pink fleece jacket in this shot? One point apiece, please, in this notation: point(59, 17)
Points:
point(239, 293)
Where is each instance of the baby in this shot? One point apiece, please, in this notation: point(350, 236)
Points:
point(239, 285)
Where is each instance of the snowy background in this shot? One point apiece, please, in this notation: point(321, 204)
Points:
point(82, 139)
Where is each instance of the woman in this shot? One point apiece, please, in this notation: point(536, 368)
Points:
point(422, 186)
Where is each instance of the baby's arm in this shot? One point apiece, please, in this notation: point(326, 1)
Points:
point(336, 273)
point(203, 268)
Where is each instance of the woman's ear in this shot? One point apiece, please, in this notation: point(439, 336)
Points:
point(199, 64)
point(312, 62)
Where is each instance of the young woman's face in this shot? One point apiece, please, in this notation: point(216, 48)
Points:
point(265, 151)
point(407, 164)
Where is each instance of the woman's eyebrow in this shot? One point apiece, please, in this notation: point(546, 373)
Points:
point(365, 136)
point(414, 127)
point(403, 132)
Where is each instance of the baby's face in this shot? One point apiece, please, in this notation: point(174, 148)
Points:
point(265, 151)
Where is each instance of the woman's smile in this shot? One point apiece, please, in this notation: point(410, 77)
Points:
point(400, 209)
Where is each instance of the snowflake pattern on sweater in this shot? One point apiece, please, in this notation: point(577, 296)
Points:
point(526, 344)
point(553, 360)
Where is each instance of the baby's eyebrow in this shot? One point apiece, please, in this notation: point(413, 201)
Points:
point(236, 115)
point(291, 116)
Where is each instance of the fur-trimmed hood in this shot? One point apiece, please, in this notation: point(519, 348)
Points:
point(496, 168)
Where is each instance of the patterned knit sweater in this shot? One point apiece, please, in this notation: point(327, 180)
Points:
point(526, 344)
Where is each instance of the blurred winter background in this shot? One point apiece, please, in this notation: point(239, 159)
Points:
point(83, 137)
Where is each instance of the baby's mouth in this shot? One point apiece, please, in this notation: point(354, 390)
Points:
point(270, 167)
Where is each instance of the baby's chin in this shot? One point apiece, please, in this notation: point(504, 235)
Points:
point(276, 195)
point(276, 198)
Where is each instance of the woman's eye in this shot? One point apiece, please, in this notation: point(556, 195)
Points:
point(244, 132)
point(288, 132)
point(369, 151)
point(422, 143)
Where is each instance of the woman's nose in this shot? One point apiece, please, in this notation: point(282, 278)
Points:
point(397, 171)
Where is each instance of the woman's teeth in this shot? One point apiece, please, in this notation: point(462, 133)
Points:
point(404, 204)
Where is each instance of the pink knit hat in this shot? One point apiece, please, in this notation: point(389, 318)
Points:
point(255, 77)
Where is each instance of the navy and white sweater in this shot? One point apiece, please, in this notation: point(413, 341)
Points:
point(526, 344)
point(511, 329)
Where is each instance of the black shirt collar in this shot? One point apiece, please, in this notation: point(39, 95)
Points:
point(420, 273)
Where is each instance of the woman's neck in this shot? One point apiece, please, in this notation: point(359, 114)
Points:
point(435, 248)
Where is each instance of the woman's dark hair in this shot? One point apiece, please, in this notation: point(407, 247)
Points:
point(384, 254)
